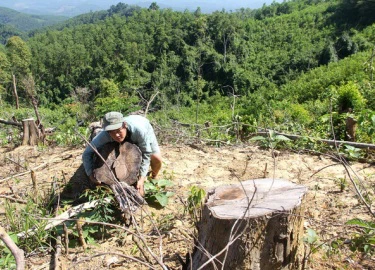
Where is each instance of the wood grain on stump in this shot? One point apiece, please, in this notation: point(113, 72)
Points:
point(260, 221)
point(123, 159)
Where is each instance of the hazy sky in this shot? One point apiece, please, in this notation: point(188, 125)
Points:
point(75, 7)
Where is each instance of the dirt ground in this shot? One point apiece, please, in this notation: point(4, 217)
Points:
point(327, 207)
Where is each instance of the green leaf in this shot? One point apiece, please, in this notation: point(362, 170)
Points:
point(150, 187)
point(361, 223)
point(258, 138)
point(169, 194)
point(164, 183)
point(281, 138)
point(312, 237)
point(14, 237)
point(162, 199)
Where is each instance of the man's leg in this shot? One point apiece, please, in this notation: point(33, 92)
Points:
point(156, 162)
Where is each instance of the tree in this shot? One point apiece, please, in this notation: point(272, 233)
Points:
point(154, 6)
point(19, 56)
point(5, 77)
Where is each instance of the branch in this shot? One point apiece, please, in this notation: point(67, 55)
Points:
point(13, 199)
point(10, 123)
point(329, 142)
point(150, 101)
point(62, 217)
point(17, 252)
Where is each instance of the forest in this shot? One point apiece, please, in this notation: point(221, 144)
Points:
point(300, 67)
point(286, 66)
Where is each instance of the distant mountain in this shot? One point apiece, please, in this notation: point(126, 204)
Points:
point(72, 8)
point(26, 22)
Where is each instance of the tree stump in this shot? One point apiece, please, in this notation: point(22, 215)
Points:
point(257, 224)
point(30, 132)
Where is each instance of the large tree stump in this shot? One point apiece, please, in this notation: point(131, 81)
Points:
point(257, 224)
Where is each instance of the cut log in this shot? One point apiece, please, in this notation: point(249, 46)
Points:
point(257, 224)
point(124, 160)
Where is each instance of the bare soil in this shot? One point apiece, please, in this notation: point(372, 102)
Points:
point(327, 209)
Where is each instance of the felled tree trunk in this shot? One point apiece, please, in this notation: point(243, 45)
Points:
point(256, 225)
point(123, 162)
point(30, 132)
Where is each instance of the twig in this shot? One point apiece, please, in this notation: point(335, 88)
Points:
point(329, 142)
point(66, 239)
point(23, 173)
point(150, 101)
point(116, 254)
point(57, 253)
point(80, 223)
point(13, 199)
point(17, 163)
point(139, 245)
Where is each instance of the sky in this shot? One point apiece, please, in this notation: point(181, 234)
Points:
point(75, 7)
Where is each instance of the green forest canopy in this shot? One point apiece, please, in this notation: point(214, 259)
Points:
point(287, 64)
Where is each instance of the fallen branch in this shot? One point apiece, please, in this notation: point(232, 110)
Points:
point(17, 252)
point(329, 142)
point(63, 217)
point(116, 254)
point(10, 123)
point(35, 168)
point(13, 199)
point(57, 254)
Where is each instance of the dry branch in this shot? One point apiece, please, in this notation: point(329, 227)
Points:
point(80, 223)
point(10, 123)
point(64, 216)
point(57, 253)
point(329, 142)
point(13, 199)
point(17, 252)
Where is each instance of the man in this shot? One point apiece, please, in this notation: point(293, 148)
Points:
point(134, 129)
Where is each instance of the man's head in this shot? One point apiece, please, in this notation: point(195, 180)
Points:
point(114, 123)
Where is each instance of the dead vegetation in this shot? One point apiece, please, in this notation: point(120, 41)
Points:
point(164, 236)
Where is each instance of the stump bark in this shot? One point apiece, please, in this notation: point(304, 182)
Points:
point(257, 224)
point(30, 132)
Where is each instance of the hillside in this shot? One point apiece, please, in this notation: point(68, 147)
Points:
point(224, 92)
point(330, 203)
point(26, 22)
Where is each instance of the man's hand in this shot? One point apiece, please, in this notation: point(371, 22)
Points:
point(141, 185)
point(94, 180)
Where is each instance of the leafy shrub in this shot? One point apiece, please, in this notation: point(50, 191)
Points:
point(273, 140)
point(349, 97)
point(155, 191)
point(194, 202)
point(364, 239)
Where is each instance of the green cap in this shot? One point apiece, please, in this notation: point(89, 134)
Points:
point(113, 120)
